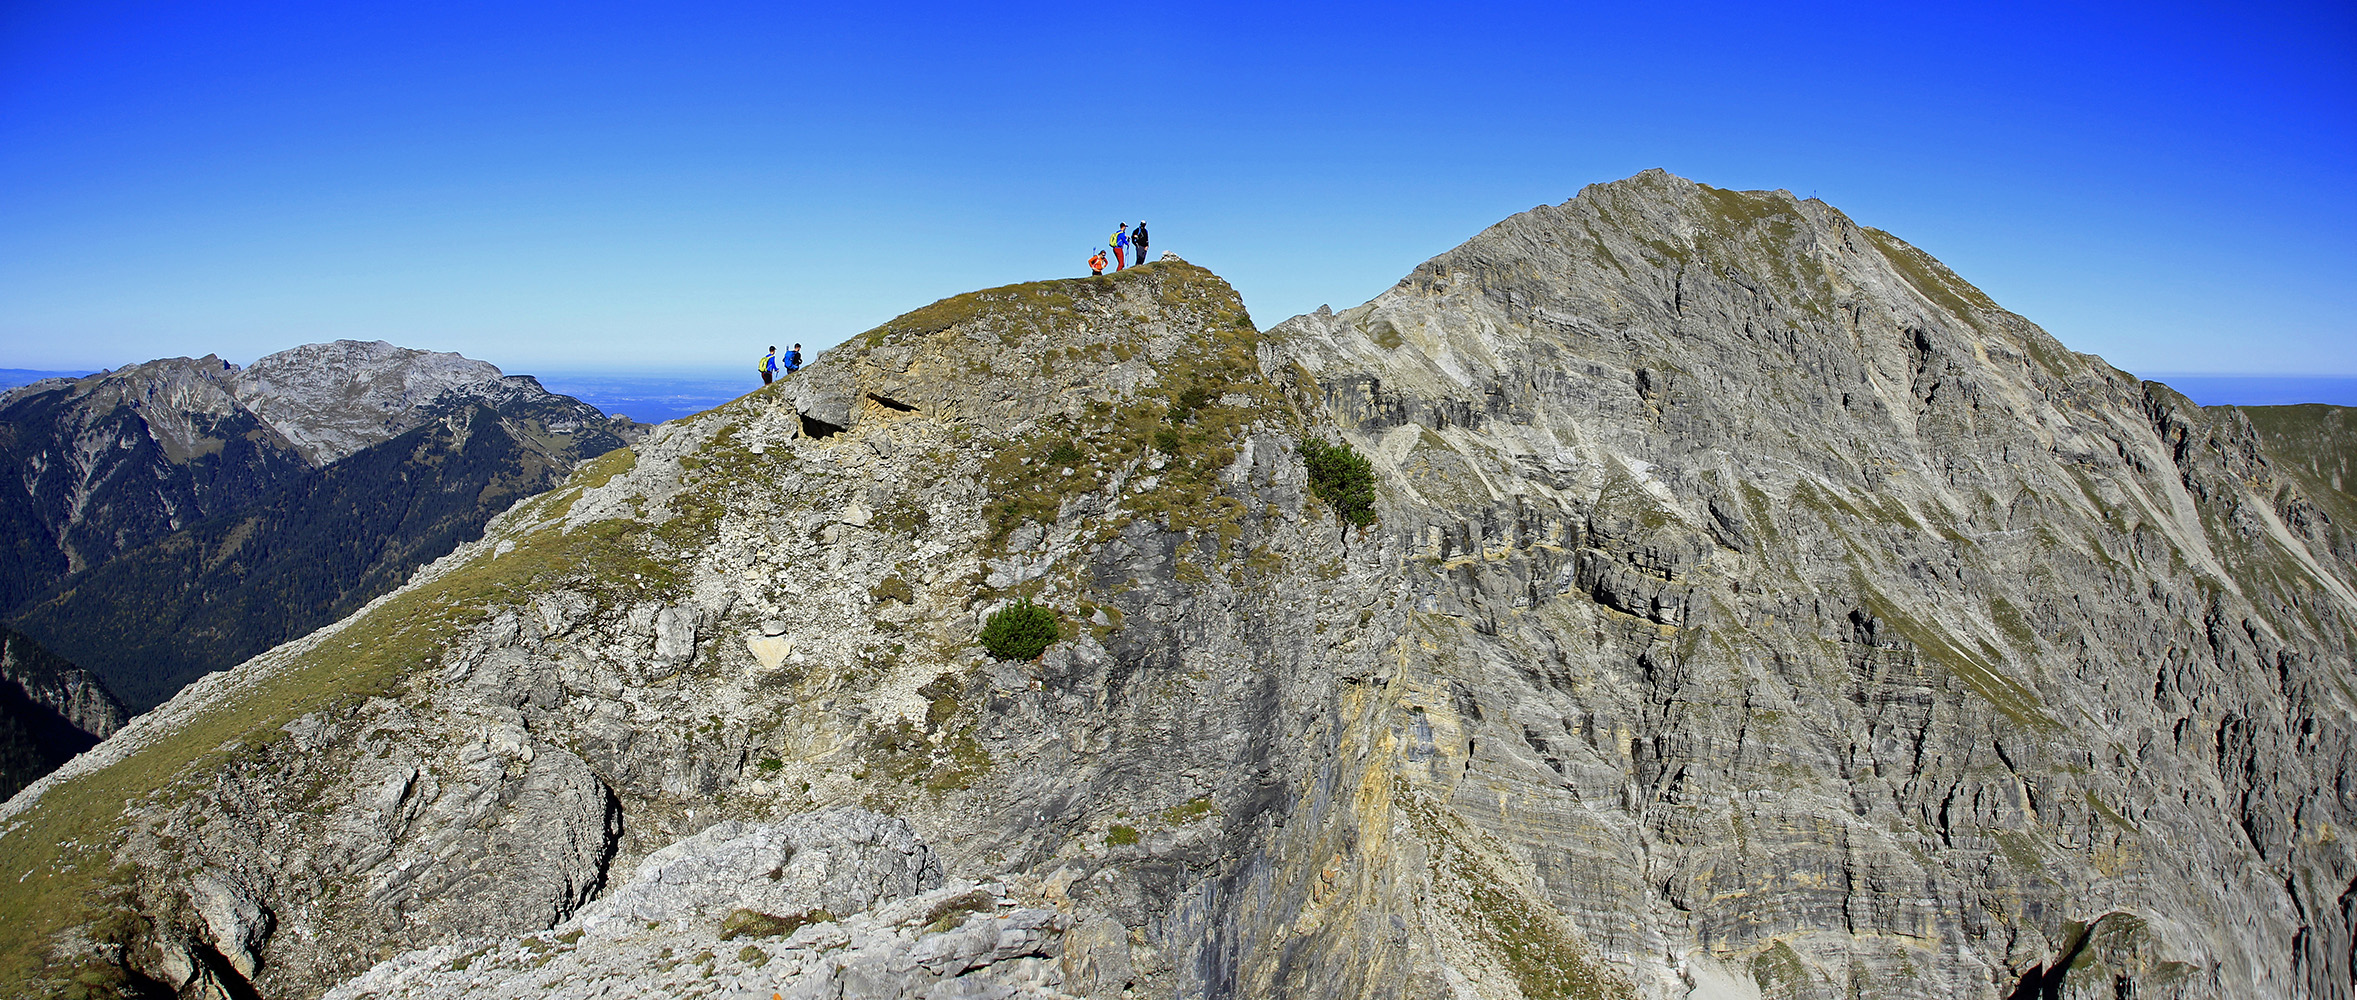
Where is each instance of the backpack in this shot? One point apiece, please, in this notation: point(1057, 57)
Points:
point(793, 361)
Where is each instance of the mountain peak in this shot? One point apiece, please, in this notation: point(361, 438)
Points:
point(336, 398)
point(997, 358)
point(1748, 602)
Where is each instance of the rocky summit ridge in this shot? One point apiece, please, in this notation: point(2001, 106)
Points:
point(1753, 609)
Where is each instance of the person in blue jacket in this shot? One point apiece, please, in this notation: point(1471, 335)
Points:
point(769, 365)
point(1120, 244)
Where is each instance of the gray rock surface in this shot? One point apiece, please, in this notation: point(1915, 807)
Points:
point(842, 860)
point(330, 400)
point(1753, 609)
point(859, 913)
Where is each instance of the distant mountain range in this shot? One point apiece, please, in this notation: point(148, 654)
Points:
point(175, 517)
point(10, 378)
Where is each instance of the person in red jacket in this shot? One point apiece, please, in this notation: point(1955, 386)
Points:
point(1096, 264)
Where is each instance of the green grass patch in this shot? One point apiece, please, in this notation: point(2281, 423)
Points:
point(1189, 811)
point(1931, 278)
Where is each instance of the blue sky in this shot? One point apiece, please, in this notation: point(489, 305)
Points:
point(602, 185)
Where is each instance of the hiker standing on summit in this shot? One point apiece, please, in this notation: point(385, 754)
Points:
point(1120, 243)
point(1137, 238)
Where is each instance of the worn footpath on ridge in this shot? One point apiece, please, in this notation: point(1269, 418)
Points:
point(1754, 609)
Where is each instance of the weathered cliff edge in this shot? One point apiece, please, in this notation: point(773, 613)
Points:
point(1755, 609)
point(50, 710)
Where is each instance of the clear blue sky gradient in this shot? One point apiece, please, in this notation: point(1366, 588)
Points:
point(589, 185)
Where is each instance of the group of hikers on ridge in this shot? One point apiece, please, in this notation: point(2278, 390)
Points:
point(1121, 241)
point(771, 364)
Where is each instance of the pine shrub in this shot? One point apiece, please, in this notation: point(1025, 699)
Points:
point(1019, 631)
point(1341, 477)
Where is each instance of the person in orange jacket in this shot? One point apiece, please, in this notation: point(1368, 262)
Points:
point(1096, 264)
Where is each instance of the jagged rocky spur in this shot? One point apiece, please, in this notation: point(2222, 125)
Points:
point(1754, 610)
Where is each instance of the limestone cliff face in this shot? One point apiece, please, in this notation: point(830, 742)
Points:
point(1754, 609)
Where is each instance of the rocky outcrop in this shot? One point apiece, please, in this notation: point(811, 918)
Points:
point(50, 710)
point(1753, 609)
point(223, 589)
point(332, 400)
point(842, 903)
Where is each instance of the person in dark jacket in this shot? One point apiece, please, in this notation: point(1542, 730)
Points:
point(1137, 240)
point(793, 359)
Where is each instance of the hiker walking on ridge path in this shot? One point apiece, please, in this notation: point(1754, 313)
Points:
point(769, 366)
point(1137, 238)
point(1120, 242)
point(793, 359)
point(1096, 264)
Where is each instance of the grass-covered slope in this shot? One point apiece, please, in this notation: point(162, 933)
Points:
point(2315, 446)
point(70, 911)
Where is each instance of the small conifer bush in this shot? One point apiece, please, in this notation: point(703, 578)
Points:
point(1019, 631)
point(1341, 477)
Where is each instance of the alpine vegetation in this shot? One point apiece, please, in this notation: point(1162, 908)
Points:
point(1019, 631)
point(1341, 477)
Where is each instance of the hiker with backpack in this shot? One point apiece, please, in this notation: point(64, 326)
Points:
point(1096, 264)
point(793, 359)
point(769, 365)
point(1120, 243)
point(1137, 238)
